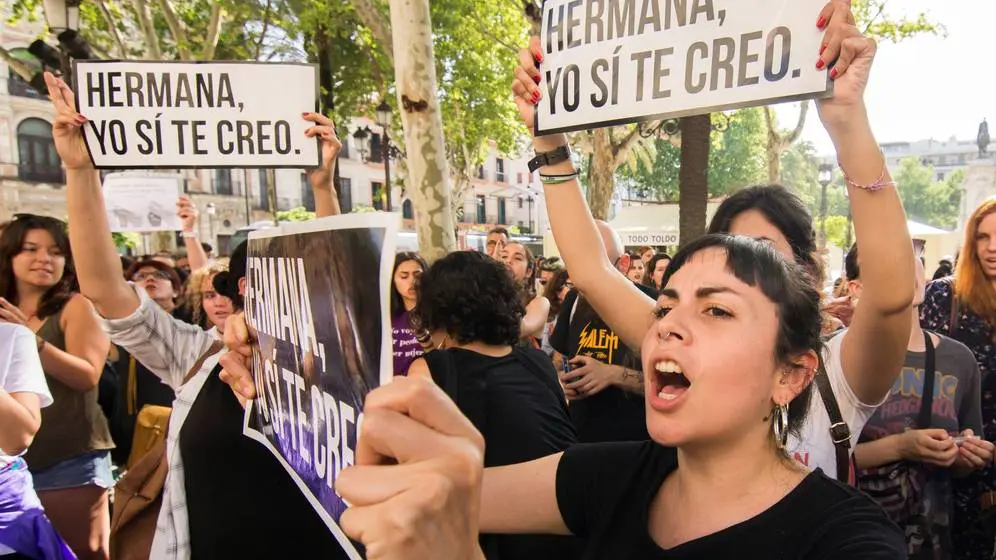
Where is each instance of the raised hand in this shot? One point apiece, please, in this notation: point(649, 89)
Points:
point(186, 210)
point(854, 54)
point(236, 371)
point(67, 127)
point(525, 88)
point(325, 130)
point(426, 504)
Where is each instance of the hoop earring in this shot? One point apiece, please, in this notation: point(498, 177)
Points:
point(779, 425)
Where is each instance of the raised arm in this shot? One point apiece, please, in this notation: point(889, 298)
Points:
point(20, 399)
point(874, 348)
point(522, 498)
point(186, 210)
point(79, 366)
point(99, 267)
point(326, 201)
point(626, 309)
point(537, 313)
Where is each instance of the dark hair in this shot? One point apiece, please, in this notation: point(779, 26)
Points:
point(551, 264)
point(398, 302)
point(785, 284)
point(207, 247)
point(500, 231)
point(851, 269)
point(785, 211)
point(471, 297)
point(226, 283)
point(552, 290)
point(11, 244)
point(648, 277)
point(174, 278)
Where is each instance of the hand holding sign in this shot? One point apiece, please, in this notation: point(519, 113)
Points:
point(186, 210)
point(427, 505)
point(854, 54)
point(66, 130)
point(324, 129)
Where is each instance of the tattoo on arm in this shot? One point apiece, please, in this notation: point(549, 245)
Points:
point(632, 380)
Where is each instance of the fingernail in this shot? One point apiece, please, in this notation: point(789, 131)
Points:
point(823, 47)
point(820, 64)
point(536, 96)
point(536, 78)
point(834, 74)
point(538, 58)
point(80, 119)
point(821, 22)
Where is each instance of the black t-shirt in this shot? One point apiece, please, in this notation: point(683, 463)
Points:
point(612, 414)
point(240, 502)
point(605, 491)
point(517, 405)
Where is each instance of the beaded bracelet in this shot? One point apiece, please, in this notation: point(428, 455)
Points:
point(558, 179)
point(878, 185)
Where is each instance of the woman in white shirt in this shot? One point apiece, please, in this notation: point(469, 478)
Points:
point(24, 529)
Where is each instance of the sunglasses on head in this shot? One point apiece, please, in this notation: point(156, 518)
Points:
point(158, 275)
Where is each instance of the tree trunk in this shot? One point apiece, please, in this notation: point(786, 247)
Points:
point(601, 174)
point(693, 178)
point(774, 158)
point(428, 177)
point(778, 142)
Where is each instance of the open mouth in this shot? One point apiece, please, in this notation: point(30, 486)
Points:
point(671, 381)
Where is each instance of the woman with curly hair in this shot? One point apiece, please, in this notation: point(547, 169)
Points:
point(69, 457)
point(468, 303)
point(209, 309)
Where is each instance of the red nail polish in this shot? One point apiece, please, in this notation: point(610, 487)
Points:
point(536, 96)
point(820, 64)
point(536, 78)
point(539, 57)
point(834, 74)
point(821, 22)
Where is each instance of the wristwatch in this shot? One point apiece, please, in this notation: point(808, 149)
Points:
point(542, 159)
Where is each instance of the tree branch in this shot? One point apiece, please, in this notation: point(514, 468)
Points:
point(19, 68)
point(111, 24)
point(213, 31)
point(262, 34)
point(145, 21)
point(873, 19)
point(620, 151)
point(794, 135)
point(379, 25)
point(175, 29)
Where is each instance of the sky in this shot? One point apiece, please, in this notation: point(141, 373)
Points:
point(927, 87)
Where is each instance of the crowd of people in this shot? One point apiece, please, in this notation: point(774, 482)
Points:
point(605, 403)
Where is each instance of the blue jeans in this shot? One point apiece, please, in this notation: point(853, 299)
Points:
point(76, 472)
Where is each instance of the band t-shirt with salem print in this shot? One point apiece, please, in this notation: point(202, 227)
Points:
point(612, 414)
point(925, 516)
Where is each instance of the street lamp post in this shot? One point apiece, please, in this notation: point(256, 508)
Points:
point(212, 212)
point(824, 178)
point(530, 200)
point(384, 114)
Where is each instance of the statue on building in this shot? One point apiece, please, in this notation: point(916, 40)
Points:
point(982, 139)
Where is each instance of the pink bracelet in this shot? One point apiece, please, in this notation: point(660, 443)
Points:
point(879, 183)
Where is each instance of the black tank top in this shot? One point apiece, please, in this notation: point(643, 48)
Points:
point(241, 502)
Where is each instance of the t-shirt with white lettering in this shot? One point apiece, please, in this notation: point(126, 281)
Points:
point(20, 372)
point(814, 448)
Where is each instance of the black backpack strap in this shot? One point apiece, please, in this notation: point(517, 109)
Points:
point(927, 399)
point(840, 432)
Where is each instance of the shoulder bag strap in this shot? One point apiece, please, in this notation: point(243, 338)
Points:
point(216, 347)
point(927, 399)
point(840, 432)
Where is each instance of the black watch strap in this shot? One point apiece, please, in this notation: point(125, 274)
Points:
point(542, 159)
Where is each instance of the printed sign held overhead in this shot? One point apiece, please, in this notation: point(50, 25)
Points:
point(323, 333)
point(609, 62)
point(142, 203)
point(146, 115)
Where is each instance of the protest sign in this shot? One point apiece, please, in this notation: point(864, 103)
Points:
point(317, 298)
point(148, 115)
point(142, 203)
point(609, 62)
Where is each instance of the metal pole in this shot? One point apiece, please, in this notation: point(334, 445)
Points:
point(271, 192)
point(387, 171)
point(245, 191)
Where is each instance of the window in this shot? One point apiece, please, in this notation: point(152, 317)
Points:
point(16, 85)
point(501, 210)
point(264, 193)
point(519, 198)
point(224, 247)
point(407, 212)
point(377, 195)
point(480, 172)
point(518, 178)
point(500, 173)
point(307, 195)
point(223, 181)
point(376, 149)
point(345, 195)
point(39, 160)
point(344, 152)
point(481, 216)
point(940, 176)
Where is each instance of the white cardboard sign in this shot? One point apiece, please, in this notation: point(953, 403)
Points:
point(142, 203)
point(609, 62)
point(149, 115)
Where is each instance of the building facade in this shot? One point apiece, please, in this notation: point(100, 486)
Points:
point(945, 157)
